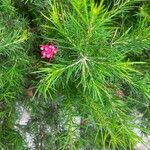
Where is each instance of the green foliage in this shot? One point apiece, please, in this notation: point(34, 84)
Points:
point(87, 96)
point(14, 61)
point(91, 66)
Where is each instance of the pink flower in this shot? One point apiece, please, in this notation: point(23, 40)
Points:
point(48, 50)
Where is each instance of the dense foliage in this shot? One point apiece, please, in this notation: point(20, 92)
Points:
point(88, 94)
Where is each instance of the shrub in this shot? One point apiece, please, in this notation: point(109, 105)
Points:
point(87, 94)
point(92, 75)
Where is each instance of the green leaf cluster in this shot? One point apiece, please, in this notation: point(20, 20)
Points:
point(93, 63)
point(87, 96)
point(14, 61)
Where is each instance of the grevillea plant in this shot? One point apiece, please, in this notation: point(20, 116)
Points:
point(93, 76)
point(14, 63)
point(74, 74)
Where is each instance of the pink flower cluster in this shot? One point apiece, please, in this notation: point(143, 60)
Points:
point(48, 50)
